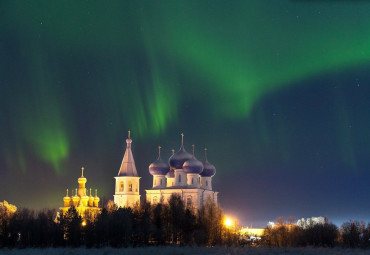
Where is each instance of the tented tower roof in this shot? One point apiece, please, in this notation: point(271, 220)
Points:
point(128, 167)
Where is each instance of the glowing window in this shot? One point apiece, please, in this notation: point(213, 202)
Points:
point(121, 186)
point(189, 201)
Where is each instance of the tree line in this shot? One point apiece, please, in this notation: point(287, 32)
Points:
point(163, 224)
point(144, 224)
point(351, 234)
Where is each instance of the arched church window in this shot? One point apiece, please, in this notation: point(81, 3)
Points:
point(179, 177)
point(121, 186)
point(192, 180)
point(136, 185)
point(207, 183)
point(161, 182)
point(129, 185)
point(189, 201)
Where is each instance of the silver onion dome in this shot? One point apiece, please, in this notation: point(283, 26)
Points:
point(159, 167)
point(193, 166)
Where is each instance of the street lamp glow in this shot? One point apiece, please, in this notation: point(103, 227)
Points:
point(83, 223)
point(228, 222)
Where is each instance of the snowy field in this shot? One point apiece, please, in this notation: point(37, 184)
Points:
point(184, 251)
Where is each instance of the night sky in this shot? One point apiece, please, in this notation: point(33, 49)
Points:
point(278, 91)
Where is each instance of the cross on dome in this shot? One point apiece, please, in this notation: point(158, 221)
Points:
point(159, 151)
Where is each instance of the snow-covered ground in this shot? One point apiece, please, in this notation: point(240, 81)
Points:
point(168, 250)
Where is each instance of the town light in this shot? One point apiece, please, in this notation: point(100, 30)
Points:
point(83, 223)
point(228, 222)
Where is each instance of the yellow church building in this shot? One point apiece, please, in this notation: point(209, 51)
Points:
point(86, 205)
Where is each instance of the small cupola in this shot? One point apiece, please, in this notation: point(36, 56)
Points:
point(209, 169)
point(159, 167)
point(193, 166)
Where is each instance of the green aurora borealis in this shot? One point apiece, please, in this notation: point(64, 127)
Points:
point(272, 88)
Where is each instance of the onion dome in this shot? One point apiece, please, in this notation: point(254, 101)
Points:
point(96, 199)
point(82, 179)
point(66, 200)
point(193, 166)
point(209, 169)
point(178, 159)
point(91, 200)
point(159, 167)
point(67, 197)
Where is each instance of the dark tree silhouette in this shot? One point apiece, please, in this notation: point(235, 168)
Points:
point(71, 224)
point(351, 234)
point(121, 227)
point(158, 218)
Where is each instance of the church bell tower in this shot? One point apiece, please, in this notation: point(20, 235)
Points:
point(127, 181)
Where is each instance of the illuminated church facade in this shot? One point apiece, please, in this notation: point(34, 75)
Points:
point(183, 175)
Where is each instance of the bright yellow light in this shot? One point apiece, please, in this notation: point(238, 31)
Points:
point(228, 222)
point(83, 223)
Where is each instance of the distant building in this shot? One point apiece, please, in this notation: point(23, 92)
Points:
point(310, 222)
point(183, 175)
point(127, 181)
point(271, 224)
point(252, 231)
point(83, 203)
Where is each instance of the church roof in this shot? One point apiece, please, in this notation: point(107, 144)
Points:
point(128, 167)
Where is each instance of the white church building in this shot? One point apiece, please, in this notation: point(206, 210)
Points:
point(183, 175)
